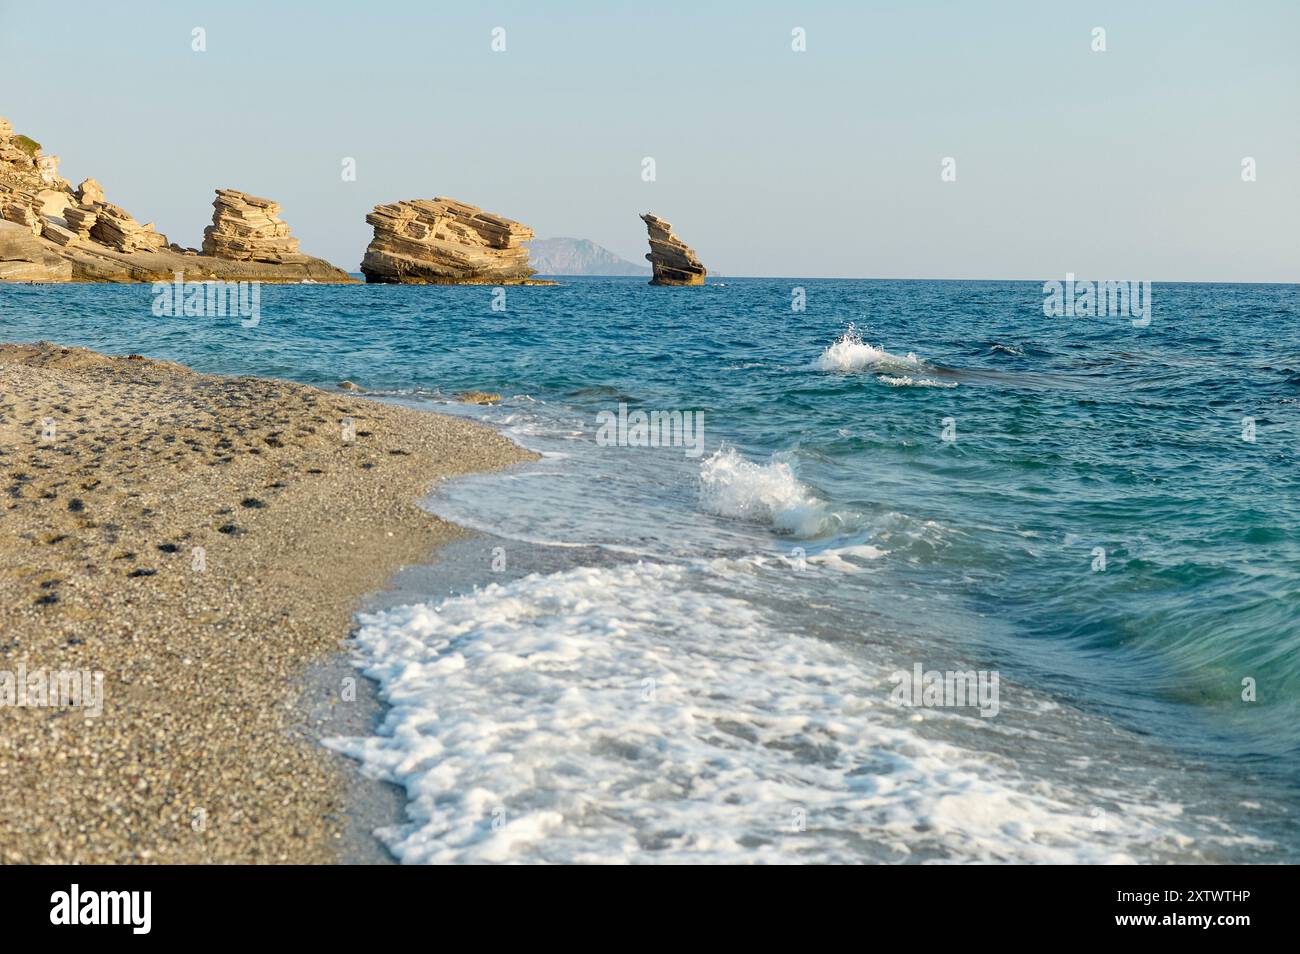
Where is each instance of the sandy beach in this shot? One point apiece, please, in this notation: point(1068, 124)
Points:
point(200, 541)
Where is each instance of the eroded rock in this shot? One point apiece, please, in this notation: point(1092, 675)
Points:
point(442, 241)
point(78, 235)
point(246, 228)
point(673, 261)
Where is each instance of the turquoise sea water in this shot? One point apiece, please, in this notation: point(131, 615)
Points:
point(724, 664)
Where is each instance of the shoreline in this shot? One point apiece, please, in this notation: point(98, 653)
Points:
point(201, 753)
point(457, 568)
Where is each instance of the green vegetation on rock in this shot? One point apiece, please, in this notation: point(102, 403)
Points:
point(27, 145)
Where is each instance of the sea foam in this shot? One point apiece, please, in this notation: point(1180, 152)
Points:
point(907, 381)
point(851, 353)
point(635, 713)
point(731, 486)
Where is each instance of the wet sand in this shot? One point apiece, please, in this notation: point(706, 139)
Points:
point(113, 470)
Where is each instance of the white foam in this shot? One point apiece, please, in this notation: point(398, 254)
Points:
point(907, 381)
point(851, 353)
point(731, 486)
point(834, 558)
point(634, 714)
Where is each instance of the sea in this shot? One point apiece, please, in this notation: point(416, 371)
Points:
point(918, 572)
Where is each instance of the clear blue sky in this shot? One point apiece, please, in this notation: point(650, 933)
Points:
point(1123, 164)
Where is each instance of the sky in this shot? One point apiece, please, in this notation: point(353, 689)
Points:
point(826, 162)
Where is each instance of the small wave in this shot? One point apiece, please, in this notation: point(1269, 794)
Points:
point(731, 486)
point(851, 353)
point(906, 381)
point(634, 714)
point(834, 558)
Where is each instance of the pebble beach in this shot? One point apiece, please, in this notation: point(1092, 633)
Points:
point(200, 541)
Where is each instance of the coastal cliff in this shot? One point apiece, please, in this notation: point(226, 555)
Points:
point(673, 261)
point(441, 241)
point(51, 232)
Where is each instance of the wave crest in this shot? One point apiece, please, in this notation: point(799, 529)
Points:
point(851, 353)
point(731, 486)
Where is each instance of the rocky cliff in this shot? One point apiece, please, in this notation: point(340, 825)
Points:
point(673, 261)
point(441, 241)
point(77, 235)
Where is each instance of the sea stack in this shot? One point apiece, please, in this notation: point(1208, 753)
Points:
point(246, 228)
point(674, 262)
point(441, 241)
point(53, 232)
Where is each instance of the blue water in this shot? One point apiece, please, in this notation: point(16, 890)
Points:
point(1122, 687)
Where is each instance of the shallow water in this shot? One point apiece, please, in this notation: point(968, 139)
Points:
point(712, 678)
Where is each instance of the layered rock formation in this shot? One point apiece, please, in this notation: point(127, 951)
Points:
point(673, 261)
point(80, 219)
point(441, 241)
point(246, 228)
point(19, 206)
point(89, 192)
point(115, 228)
point(25, 258)
point(78, 235)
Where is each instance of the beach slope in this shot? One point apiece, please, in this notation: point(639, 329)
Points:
point(199, 540)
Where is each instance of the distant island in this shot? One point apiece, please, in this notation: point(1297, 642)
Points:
point(575, 256)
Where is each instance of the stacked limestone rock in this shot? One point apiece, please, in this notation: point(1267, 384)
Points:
point(116, 228)
point(19, 205)
point(80, 219)
point(17, 157)
point(442, 241)
point(47, 168)
point(52, 204)
point(51, 232)
point(69, 216)
point(246, 228)
point(89, 192)
point(674, 262)
point(79, 215)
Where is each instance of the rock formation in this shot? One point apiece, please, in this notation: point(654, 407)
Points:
point(18, 156)
point(80, 219)
point(441, 241)
point(115, 228)
point(19, 206)
point(25, 258)
point(78, 235)
point(673, 261)
point(248, 229)
point(89, 192)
